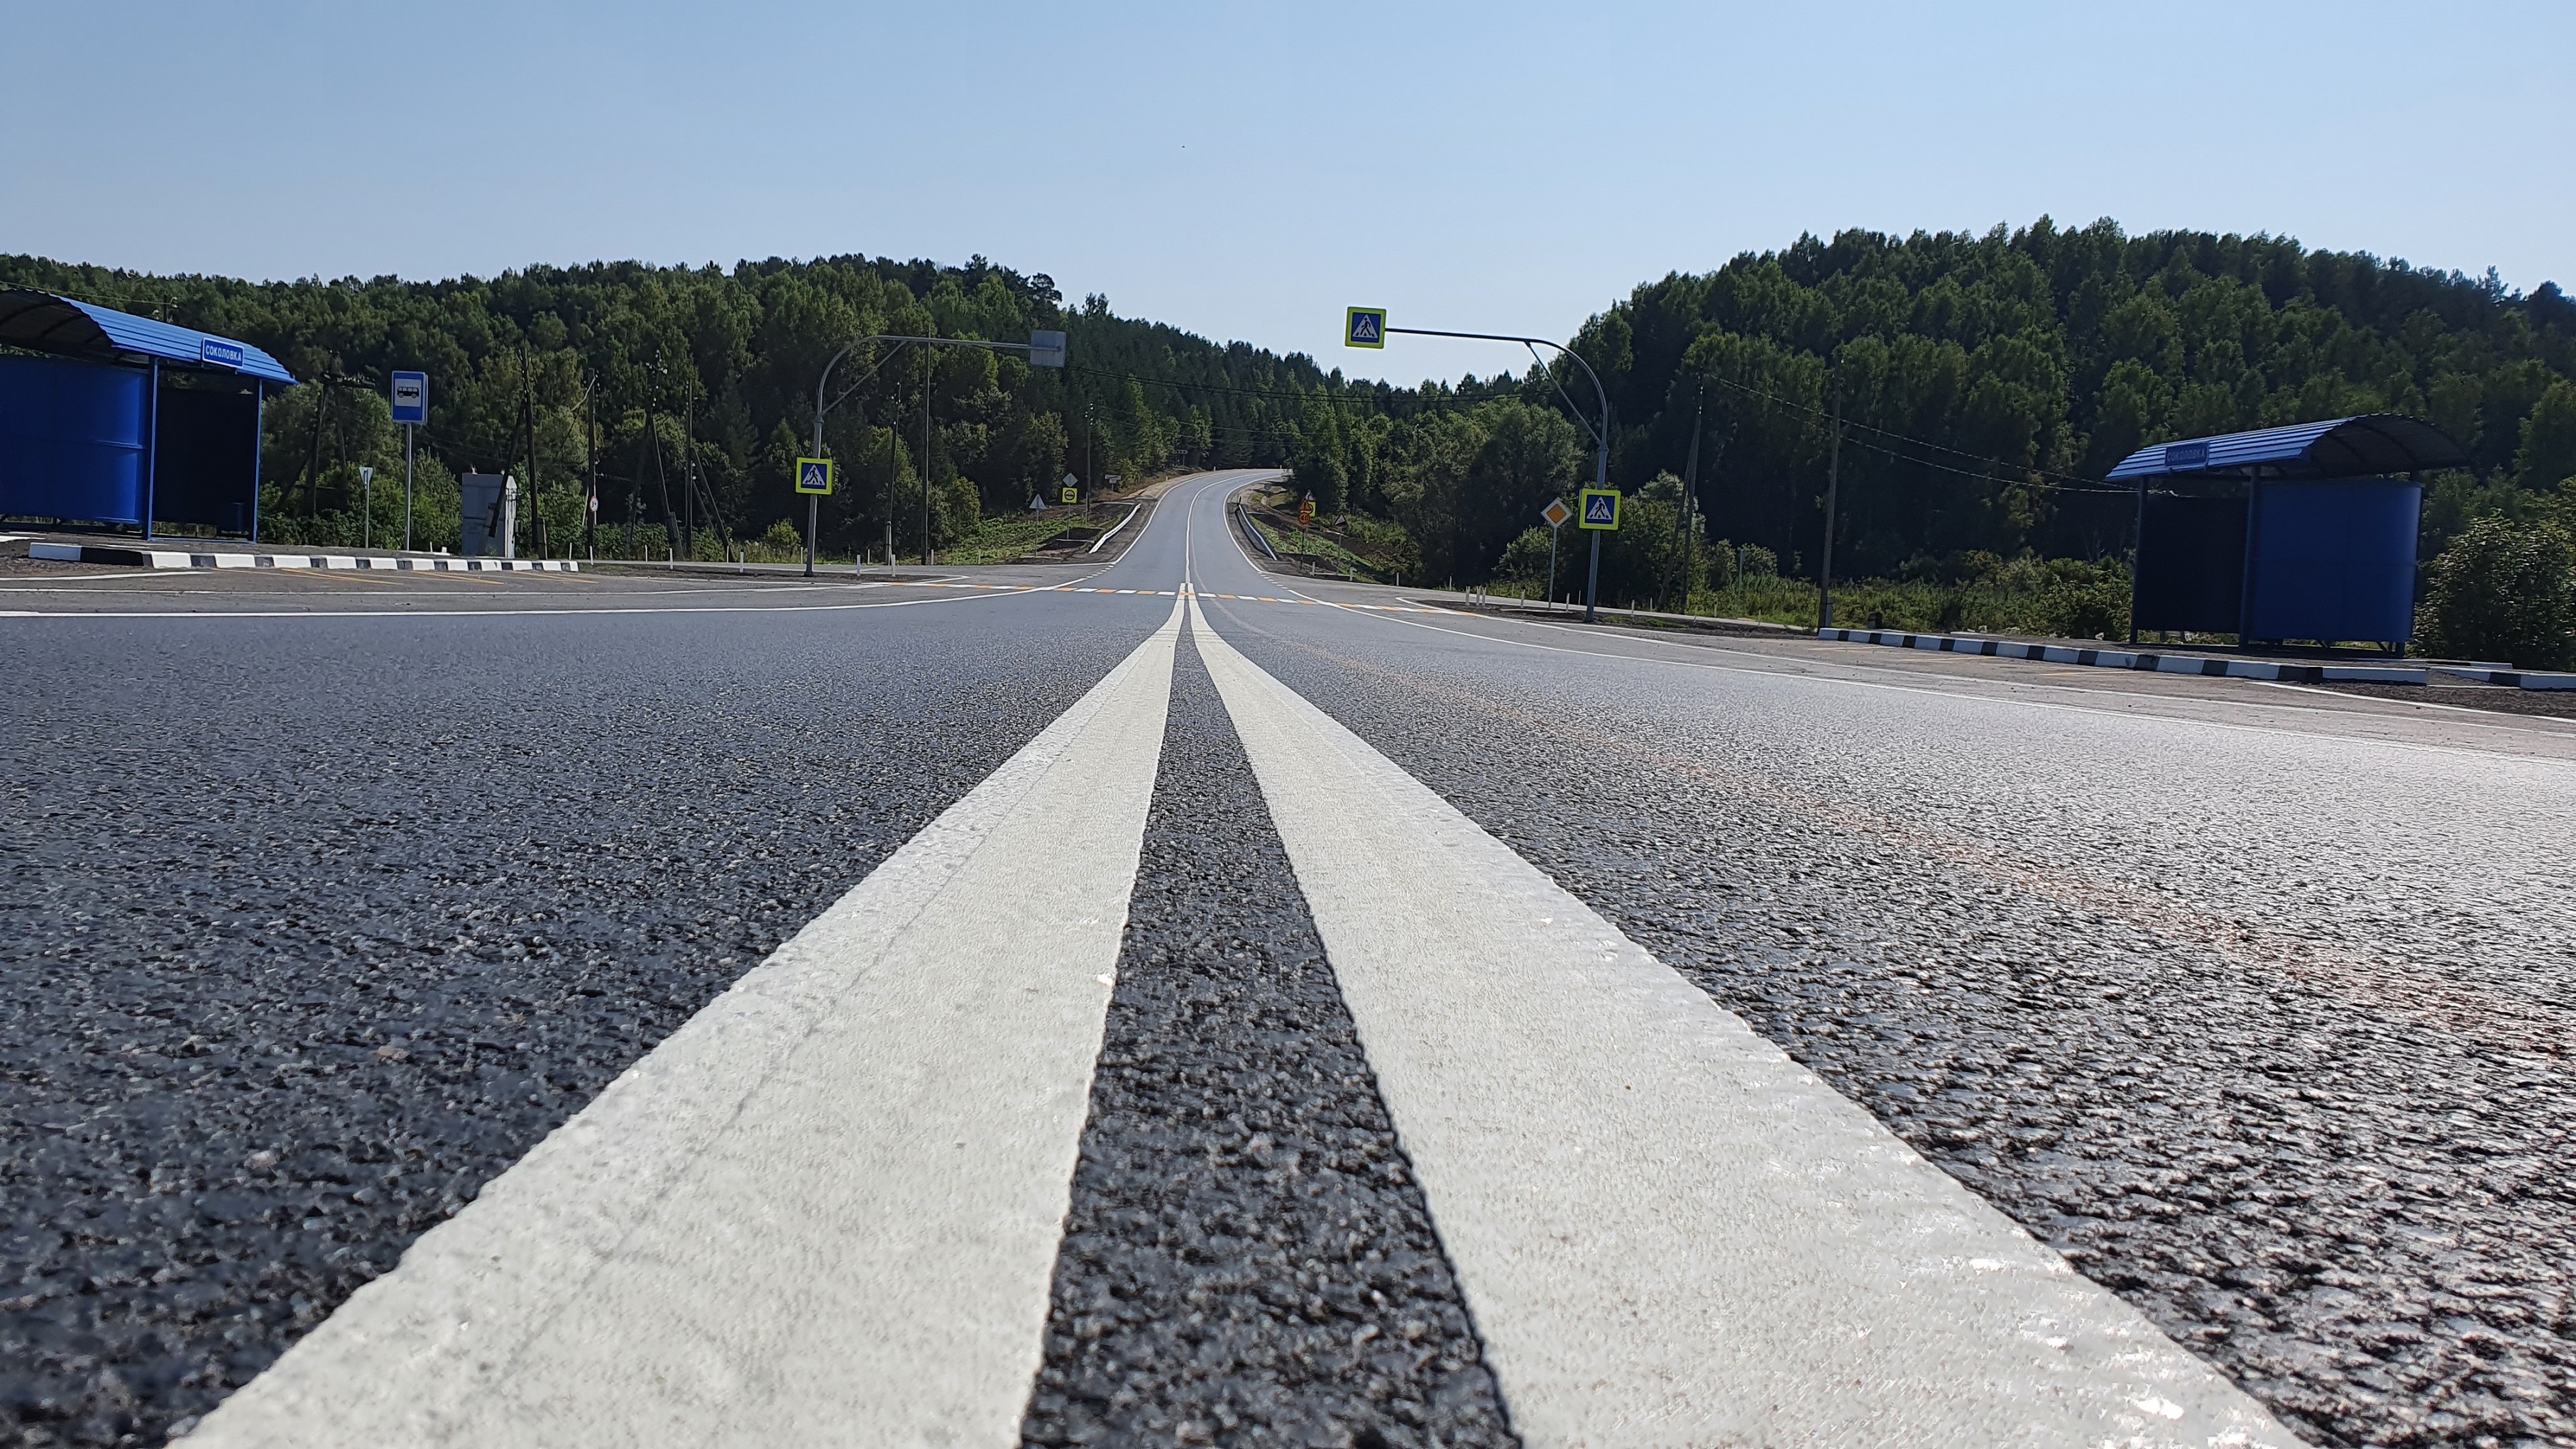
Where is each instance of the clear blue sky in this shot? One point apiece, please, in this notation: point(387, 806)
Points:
point(1246, 171)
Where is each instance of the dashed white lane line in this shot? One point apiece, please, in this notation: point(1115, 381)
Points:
point(827, 1209)
point(1668, 1232)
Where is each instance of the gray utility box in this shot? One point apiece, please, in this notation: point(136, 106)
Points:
point(491, 515)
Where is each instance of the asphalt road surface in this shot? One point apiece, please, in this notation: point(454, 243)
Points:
point(1164, 1002)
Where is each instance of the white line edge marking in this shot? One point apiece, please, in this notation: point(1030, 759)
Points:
point(827, 1209)
point(1669, 1233)
point(1790, 672)
point(1002, 591)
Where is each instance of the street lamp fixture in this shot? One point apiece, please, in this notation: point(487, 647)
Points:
point(1044, 349)
point(1366, 327)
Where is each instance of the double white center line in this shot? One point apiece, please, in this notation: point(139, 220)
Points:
point(826, 1210)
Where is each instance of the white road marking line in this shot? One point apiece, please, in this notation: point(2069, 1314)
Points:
point(1793, 669)
point(1668, 1232)
point(827, 1209)
point(517, 613)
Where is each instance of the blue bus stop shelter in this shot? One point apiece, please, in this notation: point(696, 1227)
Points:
point(106, 417)
point(2302, 533)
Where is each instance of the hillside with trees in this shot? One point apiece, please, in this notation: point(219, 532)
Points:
point(1985, 383)
point(692, 390)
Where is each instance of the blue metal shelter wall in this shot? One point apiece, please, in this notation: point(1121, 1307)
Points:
point(2333, 560)
point(71, 439)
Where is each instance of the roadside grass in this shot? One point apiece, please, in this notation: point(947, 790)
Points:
point(1317, 550)
point(998, 540)
point(2056, 599)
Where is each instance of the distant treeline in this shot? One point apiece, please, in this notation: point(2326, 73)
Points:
point(1986, 382)
point(723, 366)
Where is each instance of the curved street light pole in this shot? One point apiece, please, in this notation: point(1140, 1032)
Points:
point(1037, 345)
point(1600, 435)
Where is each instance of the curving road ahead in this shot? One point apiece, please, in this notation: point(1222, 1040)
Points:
point(1167, 1001)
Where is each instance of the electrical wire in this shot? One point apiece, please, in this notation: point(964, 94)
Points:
point(2071, 483)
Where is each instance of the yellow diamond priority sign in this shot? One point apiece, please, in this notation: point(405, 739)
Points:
point(1556, 513)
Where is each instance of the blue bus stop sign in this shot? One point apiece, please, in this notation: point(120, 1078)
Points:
point(411, 397)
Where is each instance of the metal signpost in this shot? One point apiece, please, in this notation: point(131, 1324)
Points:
point(366, 506)
point(411, 409)
point(1556, 513)
point(1043, 349)
point(1366, 327)
point(814, 480)
point(1600, 516)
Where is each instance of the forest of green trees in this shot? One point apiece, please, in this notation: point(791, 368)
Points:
point(1986, 382)
point(692, 390)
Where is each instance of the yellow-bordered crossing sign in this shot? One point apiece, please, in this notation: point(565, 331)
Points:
point(1601, 509)
point(814, 475)
point(1364, 327)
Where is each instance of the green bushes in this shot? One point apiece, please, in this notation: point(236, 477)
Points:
point(2502, 591)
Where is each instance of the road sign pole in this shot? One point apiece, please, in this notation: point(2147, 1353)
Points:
point(406, 487)
point(1366, 327)
point(813, 517)
point(1553, 530)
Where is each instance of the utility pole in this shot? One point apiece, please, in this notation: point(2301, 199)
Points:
point(925, 457)
point(313, 465)
point(661, 479)
point(1690, 490)
point(1833, 483)
point(528, 411)
point(635, 489)
point(689, 466)
point(590, 464)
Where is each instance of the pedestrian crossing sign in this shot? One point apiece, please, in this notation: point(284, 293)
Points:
point(1364, 327)
point(814, 475)
point(1601, 508)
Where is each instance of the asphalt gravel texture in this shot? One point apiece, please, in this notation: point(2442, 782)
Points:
point(1248, 1260)
point(308, 930)
point(2267, 1033)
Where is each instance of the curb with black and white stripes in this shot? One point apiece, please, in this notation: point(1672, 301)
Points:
point(2270, 669)
point(170, 558)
